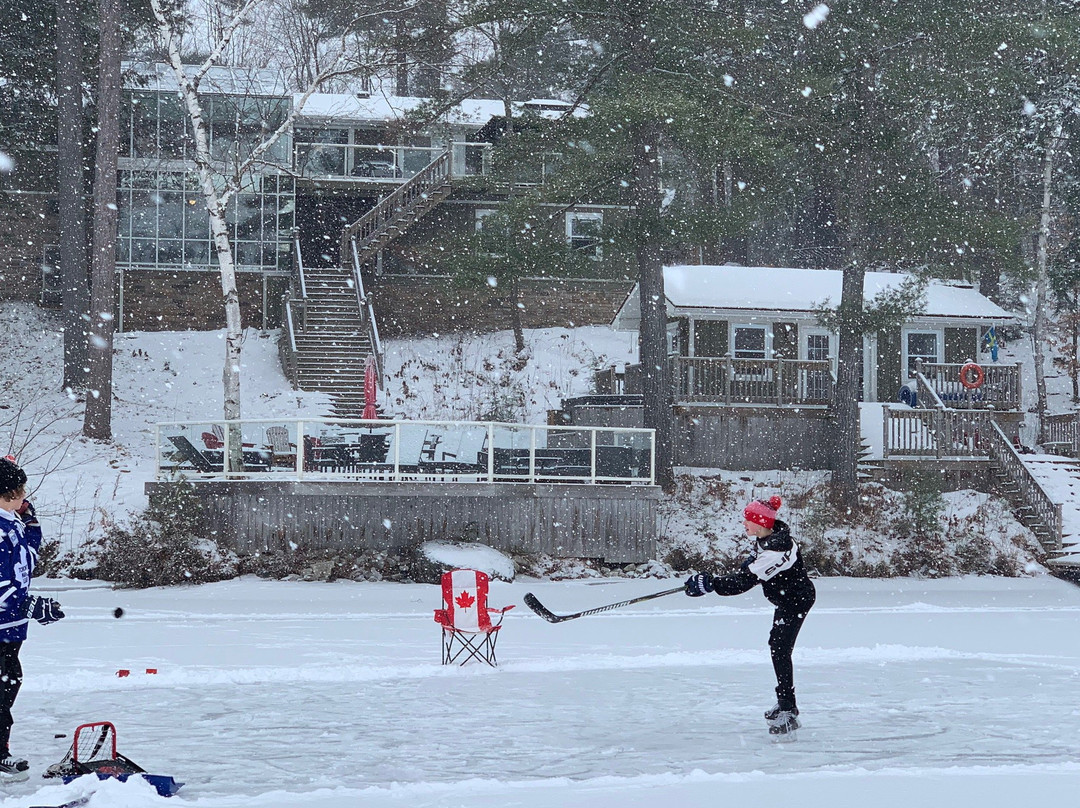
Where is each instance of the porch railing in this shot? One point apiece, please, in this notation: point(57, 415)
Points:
point(404, 451)
point(733, 382)
point(1060, 433)
point(1042, 507)
point(1000, 389)
point(934, 433)
point(386, 162)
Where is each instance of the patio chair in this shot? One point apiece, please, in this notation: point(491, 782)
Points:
point(187, 453)
point(467, 628)
point(282, 452)
point(215, 438)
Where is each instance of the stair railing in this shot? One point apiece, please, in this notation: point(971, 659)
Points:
point(388, 210)
point(299, 280)
point(368, 312)
point(1035, 497)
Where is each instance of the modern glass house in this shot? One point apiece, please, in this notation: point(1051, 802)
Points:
point(341, 156)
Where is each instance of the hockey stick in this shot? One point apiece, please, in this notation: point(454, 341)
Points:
point(551, 617)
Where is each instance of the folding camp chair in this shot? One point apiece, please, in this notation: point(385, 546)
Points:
point(467, 629)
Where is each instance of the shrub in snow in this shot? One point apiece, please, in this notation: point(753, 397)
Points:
point(923, 505)
point(163, 546)
point(921, 531)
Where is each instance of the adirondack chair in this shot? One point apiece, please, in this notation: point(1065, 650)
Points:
point(468, 631)
point(187, 453)
point(282, 452)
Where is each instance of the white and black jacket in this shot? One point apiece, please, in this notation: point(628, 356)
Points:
point(778, 567)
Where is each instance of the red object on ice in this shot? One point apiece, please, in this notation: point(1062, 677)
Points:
point(467, 628)
point(151, 670)
point(123, 672)
point(371, 387)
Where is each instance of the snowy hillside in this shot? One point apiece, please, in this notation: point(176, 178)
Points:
point(80, 485)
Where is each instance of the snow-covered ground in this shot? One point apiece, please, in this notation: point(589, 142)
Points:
point(79, 484)
point(303, 695)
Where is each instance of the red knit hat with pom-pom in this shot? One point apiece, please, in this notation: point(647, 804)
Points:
point(762, 512)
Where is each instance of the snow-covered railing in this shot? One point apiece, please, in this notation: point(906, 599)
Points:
point(1060, 433)
point(406, 451)
point(933, 433)
point(1038, 506)
point(731, 381)
point(999, 390)
point(927, 396)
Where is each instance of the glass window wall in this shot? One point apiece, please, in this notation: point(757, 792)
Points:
point(164, 223)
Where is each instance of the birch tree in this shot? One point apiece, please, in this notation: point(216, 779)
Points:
point(218, 183)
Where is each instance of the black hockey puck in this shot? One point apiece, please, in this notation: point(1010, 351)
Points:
point(118, 612)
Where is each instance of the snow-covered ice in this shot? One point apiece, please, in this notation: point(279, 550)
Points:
point(275, 694)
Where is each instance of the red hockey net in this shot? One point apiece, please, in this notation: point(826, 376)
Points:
point(93, 749)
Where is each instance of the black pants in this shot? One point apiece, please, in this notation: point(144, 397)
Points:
point(11, 677)
point(787, 620)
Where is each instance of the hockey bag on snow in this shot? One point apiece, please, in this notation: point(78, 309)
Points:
point(93, 751)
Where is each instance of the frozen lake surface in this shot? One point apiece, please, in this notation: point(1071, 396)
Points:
point(274, 694)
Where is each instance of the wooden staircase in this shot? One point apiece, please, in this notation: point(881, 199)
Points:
point(330, 322)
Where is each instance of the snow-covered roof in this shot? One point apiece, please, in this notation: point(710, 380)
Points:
point(160, 77)
point(350, 108)
point(346, 108)
point(700, 289)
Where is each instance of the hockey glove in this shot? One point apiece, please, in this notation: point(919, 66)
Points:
point(27, 513)
point(44, 610)
point(698, 585)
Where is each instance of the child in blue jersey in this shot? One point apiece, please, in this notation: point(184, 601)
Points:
point(778, 567)
point(20, 537)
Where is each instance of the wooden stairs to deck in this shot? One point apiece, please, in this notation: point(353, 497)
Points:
point(333, 325)
point(1009, 490)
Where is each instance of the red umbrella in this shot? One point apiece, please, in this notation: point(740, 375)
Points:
point(371, 386)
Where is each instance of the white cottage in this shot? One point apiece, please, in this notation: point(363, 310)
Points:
point(737, 333)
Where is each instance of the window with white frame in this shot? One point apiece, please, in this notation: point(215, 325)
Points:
point(817, 347)
point(481, 214)
point(749, 342)
point(921, 345)
point(583, 233)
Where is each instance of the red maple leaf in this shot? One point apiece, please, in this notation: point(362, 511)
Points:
point(465, 600)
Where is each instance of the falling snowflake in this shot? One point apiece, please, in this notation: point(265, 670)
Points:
point(816, 16)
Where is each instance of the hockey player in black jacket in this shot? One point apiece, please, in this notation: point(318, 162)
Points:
point(778, 567)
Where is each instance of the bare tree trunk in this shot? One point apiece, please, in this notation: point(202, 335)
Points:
point(845, 479)
point(72, 197)
point(97, 420)
point(652, 333)
point(1040, 328)
point(1074, 363)
point(515, 318)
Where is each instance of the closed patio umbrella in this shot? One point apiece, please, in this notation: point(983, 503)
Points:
point(371, 386)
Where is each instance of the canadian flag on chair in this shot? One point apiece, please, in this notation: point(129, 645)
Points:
point(468, 632)
point(465, 595)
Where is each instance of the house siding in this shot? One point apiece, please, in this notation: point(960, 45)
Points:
point(961, 345)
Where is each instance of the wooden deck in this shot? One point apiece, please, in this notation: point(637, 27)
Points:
point(617, 523)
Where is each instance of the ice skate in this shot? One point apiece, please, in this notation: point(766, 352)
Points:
point(783, 722)
point(14, 769)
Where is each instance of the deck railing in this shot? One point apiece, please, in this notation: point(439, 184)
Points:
point(1000, 389)
point(934, 433)
point(733, 382)
point(1031, 493)
point(386, 162)
point(1060, 433)
point(405, 451)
